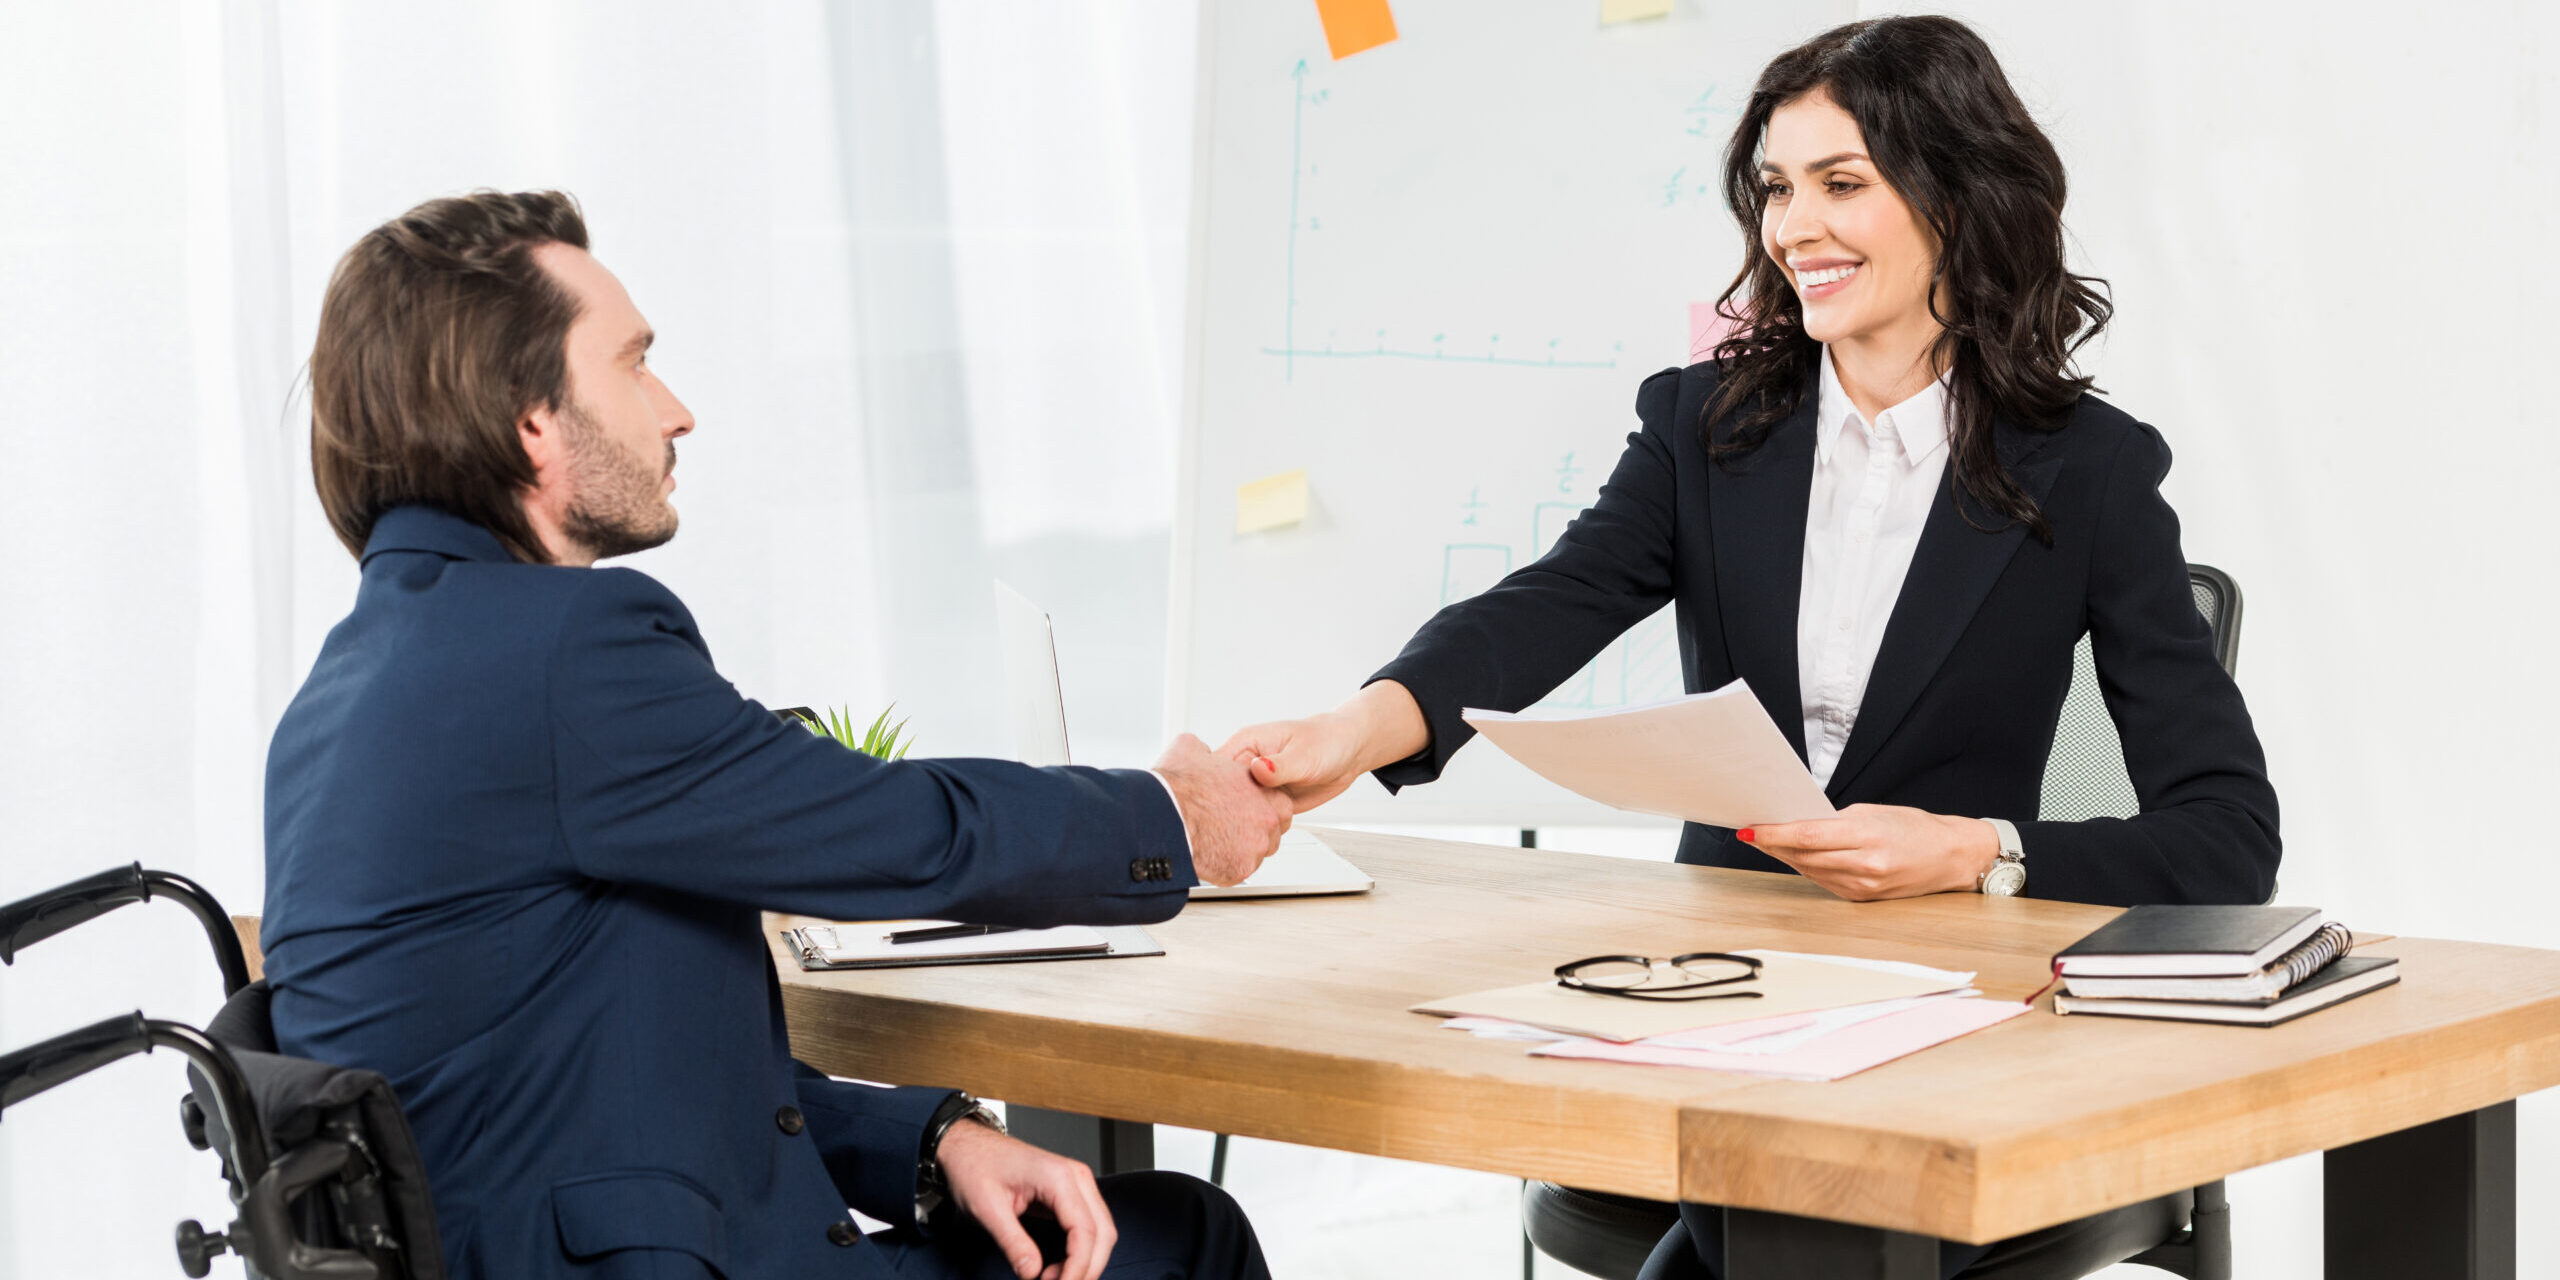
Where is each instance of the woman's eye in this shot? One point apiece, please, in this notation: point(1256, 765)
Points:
point(1839, 188)
point(1774, 190)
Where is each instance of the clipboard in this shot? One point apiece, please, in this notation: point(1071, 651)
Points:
point(1110, 942)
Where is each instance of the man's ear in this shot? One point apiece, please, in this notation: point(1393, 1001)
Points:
point(539, 430)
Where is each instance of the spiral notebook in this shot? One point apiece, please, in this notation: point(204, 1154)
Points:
point(2290, 970)
point(2340, 982)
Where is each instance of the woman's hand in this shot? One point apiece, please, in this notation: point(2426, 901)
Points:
point(1314, 759)
point(1877, 851)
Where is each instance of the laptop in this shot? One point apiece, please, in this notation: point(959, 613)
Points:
point(1303, 866)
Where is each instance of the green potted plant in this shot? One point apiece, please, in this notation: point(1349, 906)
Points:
point(880, 740)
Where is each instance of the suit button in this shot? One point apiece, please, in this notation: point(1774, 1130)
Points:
point(789, 1121)
point(842, 1234)
point(1137, 868)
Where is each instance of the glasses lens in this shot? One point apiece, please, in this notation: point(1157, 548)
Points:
point(1714, 970)
point(1617, 975)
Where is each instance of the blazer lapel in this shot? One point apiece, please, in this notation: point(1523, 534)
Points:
point(1952, 570)
point(1756, 509)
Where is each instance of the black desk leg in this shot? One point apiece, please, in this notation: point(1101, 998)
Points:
point(1110, 1146)
point(1780, 1246)
point(2438, 1200)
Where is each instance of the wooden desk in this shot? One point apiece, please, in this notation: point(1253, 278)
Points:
point(1285, 1019)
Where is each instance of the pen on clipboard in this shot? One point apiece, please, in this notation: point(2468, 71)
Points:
point(939, 932)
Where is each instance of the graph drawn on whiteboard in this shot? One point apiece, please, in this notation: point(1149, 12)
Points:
point(1638, 667)
point(1381, 344)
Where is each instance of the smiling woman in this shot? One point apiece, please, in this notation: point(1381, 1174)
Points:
point(1890, 505)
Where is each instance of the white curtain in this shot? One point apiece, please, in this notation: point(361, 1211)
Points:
point(915, 267)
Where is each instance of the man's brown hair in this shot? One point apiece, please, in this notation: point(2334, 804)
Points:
point(438, 332)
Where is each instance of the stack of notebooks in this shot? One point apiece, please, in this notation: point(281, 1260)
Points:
point(2252, 965)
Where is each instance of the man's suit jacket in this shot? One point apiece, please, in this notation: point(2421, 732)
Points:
point(518, 834)
point(1959, 713)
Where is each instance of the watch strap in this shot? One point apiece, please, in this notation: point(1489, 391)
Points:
point(933, 1191)
point(2012, 850)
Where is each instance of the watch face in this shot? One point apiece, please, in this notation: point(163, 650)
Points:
point(2005, 879)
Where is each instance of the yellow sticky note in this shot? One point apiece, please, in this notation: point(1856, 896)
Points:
point(1271, 502)
point(1353, 25)
point(1632, 10)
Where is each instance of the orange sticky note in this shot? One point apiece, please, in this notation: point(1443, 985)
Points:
point(1707, 327)
point(1353, 25)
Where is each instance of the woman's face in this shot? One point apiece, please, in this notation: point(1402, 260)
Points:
point(1859, 260)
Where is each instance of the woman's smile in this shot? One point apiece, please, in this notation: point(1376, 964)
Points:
point(1817, 279)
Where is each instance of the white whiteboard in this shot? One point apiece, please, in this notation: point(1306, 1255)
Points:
point(1432, 275)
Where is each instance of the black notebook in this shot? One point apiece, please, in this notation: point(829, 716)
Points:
point(2289, 970)
point(2343, 980)
point(2188, 942)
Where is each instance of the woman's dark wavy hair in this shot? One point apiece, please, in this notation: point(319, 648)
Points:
point(1948, 134)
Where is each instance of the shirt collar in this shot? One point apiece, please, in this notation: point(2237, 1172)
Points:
point(1920, 422)
point(432, 529)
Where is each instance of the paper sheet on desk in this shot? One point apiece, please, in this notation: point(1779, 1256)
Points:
point(1714, 758)
point(1788, 983)
point(1839, 1052)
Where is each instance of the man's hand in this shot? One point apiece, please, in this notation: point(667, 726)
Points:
point(1234, 824)
point(1876, 851)
point(1315, 759)
point(994, 1178)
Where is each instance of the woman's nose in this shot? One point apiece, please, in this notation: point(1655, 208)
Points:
point(1799, 225)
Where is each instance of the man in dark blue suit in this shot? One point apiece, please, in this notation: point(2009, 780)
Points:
point(519, 831)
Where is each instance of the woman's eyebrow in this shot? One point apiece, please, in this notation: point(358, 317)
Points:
point(1817, 166)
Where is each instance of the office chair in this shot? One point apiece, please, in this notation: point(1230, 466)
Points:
point(319, 1158)
point(2187, 1234)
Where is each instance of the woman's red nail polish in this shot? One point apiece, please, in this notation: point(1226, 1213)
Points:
point(1745, 835)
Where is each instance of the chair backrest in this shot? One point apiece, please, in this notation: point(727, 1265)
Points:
point(2084, 777)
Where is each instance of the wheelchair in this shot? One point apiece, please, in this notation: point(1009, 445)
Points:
point(322, 1167)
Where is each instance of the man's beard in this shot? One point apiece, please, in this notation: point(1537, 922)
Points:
point(617, 505)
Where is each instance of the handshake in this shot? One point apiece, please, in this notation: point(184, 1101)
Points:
point(1237, 801)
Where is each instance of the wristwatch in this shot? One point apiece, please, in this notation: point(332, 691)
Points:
point(932, 1190)
point(2006, 877)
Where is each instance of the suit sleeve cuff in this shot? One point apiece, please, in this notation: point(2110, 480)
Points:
point(1179, 820)
point(869, 1138)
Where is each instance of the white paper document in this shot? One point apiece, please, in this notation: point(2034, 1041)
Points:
point(1714, 758)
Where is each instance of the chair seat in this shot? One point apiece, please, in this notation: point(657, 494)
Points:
point(1594, 1232)
point(1610, 1236)
point(2092, 1244)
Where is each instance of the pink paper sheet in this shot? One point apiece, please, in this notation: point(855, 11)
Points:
point(1844, 1052)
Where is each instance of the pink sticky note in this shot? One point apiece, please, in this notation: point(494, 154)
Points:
point(1707, 328)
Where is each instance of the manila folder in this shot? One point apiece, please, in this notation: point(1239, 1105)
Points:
point(1714, 758)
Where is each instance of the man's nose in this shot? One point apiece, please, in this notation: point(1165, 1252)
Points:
point(673, 417)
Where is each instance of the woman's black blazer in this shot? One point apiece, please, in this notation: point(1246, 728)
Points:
point(1959, 713)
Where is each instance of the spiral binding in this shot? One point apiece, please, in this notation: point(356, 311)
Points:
point(2315, 953)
